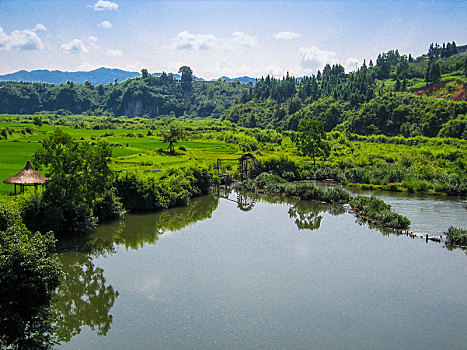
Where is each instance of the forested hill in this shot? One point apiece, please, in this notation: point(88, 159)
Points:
point(395, 95)
point(145, 95)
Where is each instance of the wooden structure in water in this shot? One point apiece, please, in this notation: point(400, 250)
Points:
point(248, 166)
point(244, 203)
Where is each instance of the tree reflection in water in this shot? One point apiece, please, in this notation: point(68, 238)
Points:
point(306, 213)
point(82, 299)
point(85, 299)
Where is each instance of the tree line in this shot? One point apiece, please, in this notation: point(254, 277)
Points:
point(142, 96)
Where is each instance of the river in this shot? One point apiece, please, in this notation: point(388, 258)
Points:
point(265, 273)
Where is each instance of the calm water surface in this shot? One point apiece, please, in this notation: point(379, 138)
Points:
point(289, 274)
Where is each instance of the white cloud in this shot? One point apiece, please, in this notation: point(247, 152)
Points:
point(21, 40)
point(240, 39)
point(351, 63)
point(188, 41)
point(286, 35)
point(114, 53)
point(87, 67)
point(92, 38)
point(39, 26)
point(102, 5)
point(74, 46)
point(272, 70)
point(105, 24)
point(313, 58)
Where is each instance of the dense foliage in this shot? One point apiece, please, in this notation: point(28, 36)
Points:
point(147, 95)
point(174, 188)
point(270, 183)
point(377, 211)
point(81, 183)
point(457, 236)
point(29, 274)
point(375, 99)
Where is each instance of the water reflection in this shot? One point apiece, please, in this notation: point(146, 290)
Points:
point(178, 289)
point(306, 213)
point(82, 299)
point(137, 230)
point(245, 202)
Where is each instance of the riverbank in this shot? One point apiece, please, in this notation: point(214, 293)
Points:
point(370, 209)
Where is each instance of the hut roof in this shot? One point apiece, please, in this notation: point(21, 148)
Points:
point(27, 176)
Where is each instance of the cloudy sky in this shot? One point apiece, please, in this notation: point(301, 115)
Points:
point(217, 37)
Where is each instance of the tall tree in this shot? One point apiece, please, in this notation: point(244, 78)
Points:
point(80, 176)
point(172, 135)
point(186, 78)
point(311, 139)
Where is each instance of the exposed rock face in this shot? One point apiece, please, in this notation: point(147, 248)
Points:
point(137, 108)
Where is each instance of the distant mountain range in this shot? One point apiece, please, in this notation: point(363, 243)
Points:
point(97, 76)
point(243, 80)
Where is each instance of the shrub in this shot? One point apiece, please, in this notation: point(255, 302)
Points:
point(283, 167)
point(108, 207)
point(29, 274)
point(457, 236)
point(175, 187)
point(39, 215)
point(376, 210)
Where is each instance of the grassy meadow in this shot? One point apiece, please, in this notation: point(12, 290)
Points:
point(420, 164)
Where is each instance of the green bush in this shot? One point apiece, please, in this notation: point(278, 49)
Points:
point(174, 188)
point(108, 207)
point(39, 214)
point(29, 274)
point(457, 236)
point(376, 210)
point(283, 167)
point(9, 218)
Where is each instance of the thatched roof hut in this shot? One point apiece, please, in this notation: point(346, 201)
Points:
point(27, 177)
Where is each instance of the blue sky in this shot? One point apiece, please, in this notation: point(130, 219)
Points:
point(215, 38)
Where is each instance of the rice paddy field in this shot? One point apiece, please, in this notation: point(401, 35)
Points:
point(137, 145)
point(132, 148)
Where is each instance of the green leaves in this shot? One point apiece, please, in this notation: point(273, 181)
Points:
point(175, 132)
point(29, 274)
point(80, 175)
point(311, 139)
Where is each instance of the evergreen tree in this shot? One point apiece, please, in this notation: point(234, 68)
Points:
point(397, 86)
point(186, 78)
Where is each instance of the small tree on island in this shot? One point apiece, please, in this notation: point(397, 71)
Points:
point(311, 139)
point(174, 133)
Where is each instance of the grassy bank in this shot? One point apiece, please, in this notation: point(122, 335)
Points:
point(420, 164)
point(370, 209)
